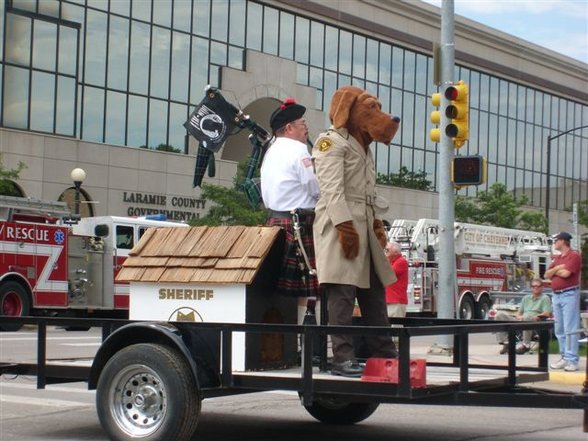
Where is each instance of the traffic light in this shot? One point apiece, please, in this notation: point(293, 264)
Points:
point(468, 170)
point(436, 118)
point(457, 111)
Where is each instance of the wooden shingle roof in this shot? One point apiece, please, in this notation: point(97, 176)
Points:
point(228, 254)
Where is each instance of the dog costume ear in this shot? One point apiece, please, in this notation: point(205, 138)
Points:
point(341, 104)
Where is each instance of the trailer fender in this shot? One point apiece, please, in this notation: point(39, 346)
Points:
point(140, 332)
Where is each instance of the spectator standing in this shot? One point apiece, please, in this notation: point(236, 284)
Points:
point(396, 296)
point(564, 273)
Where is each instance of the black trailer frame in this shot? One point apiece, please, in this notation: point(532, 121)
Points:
point(506, 388)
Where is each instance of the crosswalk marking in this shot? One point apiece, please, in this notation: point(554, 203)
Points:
point(12, 338)
point(51, 402)
point(82, 344)
point(82, 388)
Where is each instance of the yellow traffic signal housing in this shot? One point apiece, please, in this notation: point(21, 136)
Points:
point(457, 111)
point(435, 134)
point(468, 170)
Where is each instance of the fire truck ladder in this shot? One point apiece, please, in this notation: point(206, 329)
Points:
point(8, 205)
point(401, 230)
point(481, 239)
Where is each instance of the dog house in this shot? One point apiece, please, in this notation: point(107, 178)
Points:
point(217, 275)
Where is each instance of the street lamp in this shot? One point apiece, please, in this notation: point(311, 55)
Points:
point(548, 171)
point(77, 176)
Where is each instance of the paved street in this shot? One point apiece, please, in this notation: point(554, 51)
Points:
point(66, 411)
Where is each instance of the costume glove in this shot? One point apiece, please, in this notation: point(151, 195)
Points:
point(380, 231)
point(349, 239)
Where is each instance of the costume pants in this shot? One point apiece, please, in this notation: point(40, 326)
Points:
point(566, 313)
point(372, 302)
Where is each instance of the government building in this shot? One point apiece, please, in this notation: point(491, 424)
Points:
point(107, 85)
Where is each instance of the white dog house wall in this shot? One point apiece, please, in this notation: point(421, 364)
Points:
point(215, 275)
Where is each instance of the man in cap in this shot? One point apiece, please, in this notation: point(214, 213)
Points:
point(290, 191)
point(564, 273)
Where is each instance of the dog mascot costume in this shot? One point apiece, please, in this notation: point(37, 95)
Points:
point(349, 238)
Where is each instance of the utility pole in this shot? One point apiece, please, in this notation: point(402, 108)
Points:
point(446, 257)
point(548, 171)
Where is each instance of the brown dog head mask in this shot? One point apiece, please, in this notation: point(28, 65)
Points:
point(361, 114)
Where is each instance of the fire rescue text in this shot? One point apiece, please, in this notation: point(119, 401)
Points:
point(26, 233)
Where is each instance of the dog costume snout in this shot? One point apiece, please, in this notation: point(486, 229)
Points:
point(361, 114)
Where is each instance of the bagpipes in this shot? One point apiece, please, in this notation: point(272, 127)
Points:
point(211, 123)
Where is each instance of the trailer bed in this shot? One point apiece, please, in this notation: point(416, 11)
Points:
point(460, 378)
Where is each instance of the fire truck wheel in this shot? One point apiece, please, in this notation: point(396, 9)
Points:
point(333, 411)
point(14, 302)
point(148, 392)
point(466, 308)
point(483, 308)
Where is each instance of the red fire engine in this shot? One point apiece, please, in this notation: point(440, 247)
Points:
point(48, 267)
point(487, 259)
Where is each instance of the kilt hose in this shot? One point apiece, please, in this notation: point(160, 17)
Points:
point(294, 279)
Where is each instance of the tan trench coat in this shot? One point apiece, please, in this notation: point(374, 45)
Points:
point(347, 180)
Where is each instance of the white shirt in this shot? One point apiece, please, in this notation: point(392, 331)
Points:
point(287, 176)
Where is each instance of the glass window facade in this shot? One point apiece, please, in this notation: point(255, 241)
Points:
point(128, 71)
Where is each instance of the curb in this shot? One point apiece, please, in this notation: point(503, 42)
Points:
point(573, 378)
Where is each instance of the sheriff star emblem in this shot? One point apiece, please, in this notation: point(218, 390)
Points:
point(324, 144)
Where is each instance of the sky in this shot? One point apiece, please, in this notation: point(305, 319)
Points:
point(559, 25)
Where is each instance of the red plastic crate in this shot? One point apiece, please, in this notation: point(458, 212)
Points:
point(385, 370)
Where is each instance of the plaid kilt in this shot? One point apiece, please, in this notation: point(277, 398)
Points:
point(294, 279)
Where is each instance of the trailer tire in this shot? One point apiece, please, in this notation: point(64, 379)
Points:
point(333, 411)
point(483, 308)
point(467, 309)
point(148, 392)
point(14, 302)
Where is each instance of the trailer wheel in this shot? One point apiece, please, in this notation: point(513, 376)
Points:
point(483, 308)
point(333, 411)
point(14, 302)
point(466, 308)
point(148, 392)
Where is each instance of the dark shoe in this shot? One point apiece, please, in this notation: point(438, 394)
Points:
point(504, 349)
point(522, 349)
point(347, 369)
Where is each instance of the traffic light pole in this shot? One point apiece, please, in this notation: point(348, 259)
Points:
point(446, 257)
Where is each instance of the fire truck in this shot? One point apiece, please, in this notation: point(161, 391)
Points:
point(488, 259)
point(48, 267)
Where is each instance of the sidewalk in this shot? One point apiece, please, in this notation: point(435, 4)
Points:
point(484, 350)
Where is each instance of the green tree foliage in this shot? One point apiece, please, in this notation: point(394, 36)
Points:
point(163, 148)
point(406, 179)
point(230, 206)
point(533, 221)
point(498, 207)
point(7, 176)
